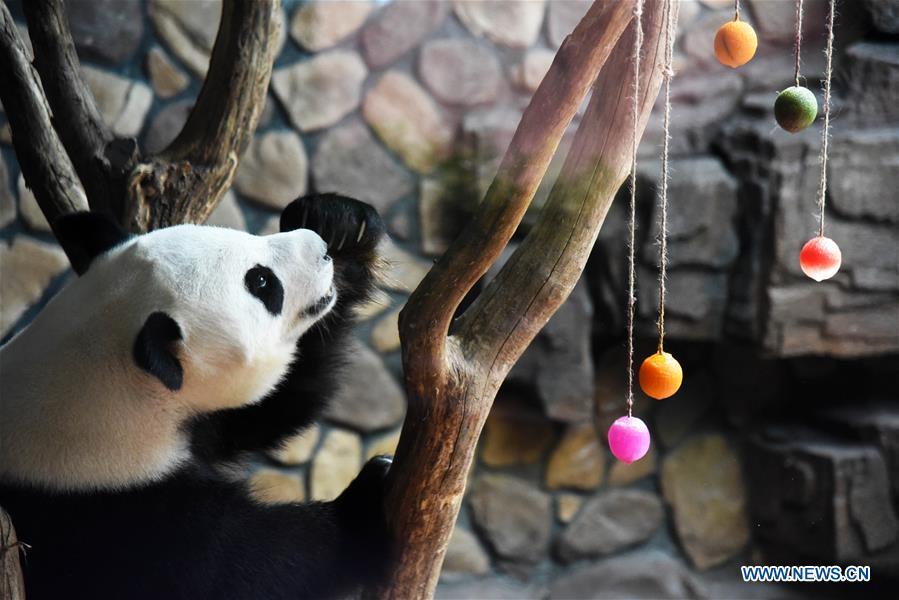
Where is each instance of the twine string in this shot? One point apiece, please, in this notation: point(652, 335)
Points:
point(632, 227)
point(736, 10)
point(668, 73)
point(825, 131)
point(797, 42)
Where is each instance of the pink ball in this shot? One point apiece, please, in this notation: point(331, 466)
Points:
point(629, 439)
point(820, 258)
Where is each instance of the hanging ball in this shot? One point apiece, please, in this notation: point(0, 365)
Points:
point(735, 44)
point(820, 258)
point(660, 376)
point(795, 108)
point(629, 439)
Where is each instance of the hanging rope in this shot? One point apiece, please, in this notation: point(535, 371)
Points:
point(736, 10)
point(797, 42)
point(825, 131)
point(668, 73)
point(632, 227)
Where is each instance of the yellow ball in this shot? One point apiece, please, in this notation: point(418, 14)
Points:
point(660, 376)
point(735, 44)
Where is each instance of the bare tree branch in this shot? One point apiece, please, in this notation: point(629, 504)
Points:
point(549, 113)
point(43, 160)
point(12, 586)
point(451, 381)
point(78, 121)
point(184, 182)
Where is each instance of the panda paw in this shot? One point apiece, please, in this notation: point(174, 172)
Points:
point(352, 229)
point(361, 505)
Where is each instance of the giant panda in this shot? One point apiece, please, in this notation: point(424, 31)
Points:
point(172, 354)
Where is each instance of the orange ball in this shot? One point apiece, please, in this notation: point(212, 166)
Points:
point(660, 376)
point(735, 44)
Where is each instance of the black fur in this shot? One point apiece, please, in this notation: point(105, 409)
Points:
point(265, 285)
point(153, 350)
point(199, 535)
point(86, 235)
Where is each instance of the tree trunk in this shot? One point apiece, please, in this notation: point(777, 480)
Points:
point(12, 587)
point(453, 369)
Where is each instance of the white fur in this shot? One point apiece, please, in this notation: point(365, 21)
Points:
point(76, 412)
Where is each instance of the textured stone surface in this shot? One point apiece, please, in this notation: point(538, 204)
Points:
point(273, 170)
point(873, 82)
point(298, 449)
point(776, 20)
point(276, 487)
point(578, 460)
point(405, 270)
point(674, 420)
point(514, 516)
point(351, 162)
point(188, 28)
point(702, 482)
point(227, 213)
point(336, 464)
point(408, 121)
point(866, 160)
point(122, 102)
point(464, 556)
point(321, 24)
point(385, 335)
point(166, 125)
point(644, 575)
point(514, 434)
point(27, 266)
point(460, 72)
point(884, 15)
point(399, 27)
point(369, 398)
point(7, 200)
point(609, 522)
point(29, 209)
point(489, 588)
point(320, 91)
point(623, 474)
point(567, 506)
point(167, 79)
point(383, 444)
point(506, 22)
point(530, 71)
point(562, 18)
point(107, 30)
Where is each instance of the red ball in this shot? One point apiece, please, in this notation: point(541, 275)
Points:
point(820, 258)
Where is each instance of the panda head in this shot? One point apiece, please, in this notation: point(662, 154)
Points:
point(211, 315)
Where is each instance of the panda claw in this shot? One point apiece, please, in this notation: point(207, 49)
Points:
point(342, 240)
point(361, 232)
point(305, 216)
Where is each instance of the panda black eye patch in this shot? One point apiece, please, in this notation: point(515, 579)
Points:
point(265, 285)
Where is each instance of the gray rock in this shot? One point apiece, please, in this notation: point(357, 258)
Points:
point(460, 72)
point(369, 398)
point(188, 28)
point(166, 125)
point(404, 270)
point(408, 121)
point(350, 161)
point(321, 24)
point(505, 22)
point(29, 209)
point(775, 21)
point(872, 82)
point(864, 174)
point(227, 213)
point(167, 79)
point(611, 521)
point(695, 301)
point(122, 102)
point(649, 575)
point(676, 419)
point(702, 208)
point(884, 14)
point(7, 200)
point(273, 170)
point(107, 30)
point(514, 516)
point(335, 465)
point(703, 483)
point(27, 266)
point(464, 556)
point(489, 588)
point(563, 17)
point(399, 27)
point(320, 91)
point(533, 67)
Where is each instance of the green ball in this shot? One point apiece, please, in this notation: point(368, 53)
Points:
point(795, 108)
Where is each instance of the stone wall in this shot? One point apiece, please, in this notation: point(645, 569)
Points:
point(410, 105)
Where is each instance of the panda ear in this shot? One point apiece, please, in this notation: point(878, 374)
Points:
point(154, 352)
point(86, 235)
